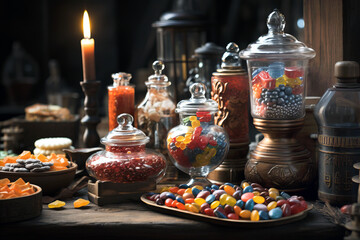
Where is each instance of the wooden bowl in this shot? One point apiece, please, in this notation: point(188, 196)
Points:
point(50, 181)
point(21, 208)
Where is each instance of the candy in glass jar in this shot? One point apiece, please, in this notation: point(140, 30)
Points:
point(156, 113)
point(197, 146)
point(125, 159)
point(277, 66)
point(121, 98)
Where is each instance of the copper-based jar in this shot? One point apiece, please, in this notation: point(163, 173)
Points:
point(230, 90)
point(126, 160)
point(277, 67)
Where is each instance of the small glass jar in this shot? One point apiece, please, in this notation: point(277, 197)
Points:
point(125, 159)
point(155, 115)
point(277, 67)
point(121, 98)
point(197, 146)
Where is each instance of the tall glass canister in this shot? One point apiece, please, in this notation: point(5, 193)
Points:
point(277, 67)
point(156, 114)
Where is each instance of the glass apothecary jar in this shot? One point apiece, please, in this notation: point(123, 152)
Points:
point(125, 159)
point(156, 113)
point(197, 146)
point(277, 66)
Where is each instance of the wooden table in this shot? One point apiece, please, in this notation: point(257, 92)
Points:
point(134, 220)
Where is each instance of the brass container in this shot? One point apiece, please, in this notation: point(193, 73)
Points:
point(280, 160)
point(230, 89)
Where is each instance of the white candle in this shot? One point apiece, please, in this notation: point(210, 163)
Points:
point(87, 51)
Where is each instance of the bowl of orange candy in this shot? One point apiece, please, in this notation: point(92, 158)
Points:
point(51, 173)
point(19, 200)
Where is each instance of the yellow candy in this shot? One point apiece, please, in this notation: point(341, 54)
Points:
point(274, 190)
point(177, 144)
point(180, 138)
point(230, 201)
point(223, 198)
point(271, 205)
point(290, 82)
point(188, 135)
point(193, 118)
point(188, 190)
point(273, 194)
point(56, 204)
point(256, 193)
point(255, 216)
point(187, 140)
point(195, 124)
point(199, 201)
point(198, 187)
point(190, 130)
point(164, 189)
point(214, 204)
point(259, 199)
point(245, 214)
point(193, 207)
point(212, 152)
point(280, 80)
point(182, 146)
point(244, 185)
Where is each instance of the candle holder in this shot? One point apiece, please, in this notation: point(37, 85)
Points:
point(91, 119)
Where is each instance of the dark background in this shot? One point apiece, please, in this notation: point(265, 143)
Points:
point(124, 38)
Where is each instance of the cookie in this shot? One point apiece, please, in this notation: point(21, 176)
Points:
point(38, 151)
point(56, 143)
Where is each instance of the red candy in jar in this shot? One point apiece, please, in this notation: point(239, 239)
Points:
point(126, 160)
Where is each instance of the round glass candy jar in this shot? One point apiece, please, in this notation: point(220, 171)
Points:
point(197, 146)
point(277, 66)
point(125, 159)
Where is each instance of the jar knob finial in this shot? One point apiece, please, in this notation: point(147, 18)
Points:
point(231, 57)
point(158, 67)
point(121, 78)
point(276, 22)
point(125, 121)
point(197, 90)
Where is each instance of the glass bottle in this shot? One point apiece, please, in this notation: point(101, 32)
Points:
point(197, 146)
point(125, 159)
point(121, 98)
point(155, 115)
point(338, 118)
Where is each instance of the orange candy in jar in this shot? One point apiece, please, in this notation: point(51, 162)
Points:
point(121, 98)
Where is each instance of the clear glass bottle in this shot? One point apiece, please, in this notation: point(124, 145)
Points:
point(121, 98)
point(155, 115)
point(338, 118)
point(197, 146)
point(125, 159)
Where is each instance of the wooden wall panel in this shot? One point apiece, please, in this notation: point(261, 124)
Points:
point(323, 33)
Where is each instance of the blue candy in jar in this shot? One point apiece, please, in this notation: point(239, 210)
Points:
point(276, 69)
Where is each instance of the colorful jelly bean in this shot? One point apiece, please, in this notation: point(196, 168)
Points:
point(254, 216)
point(275, 213)
point(246, 196)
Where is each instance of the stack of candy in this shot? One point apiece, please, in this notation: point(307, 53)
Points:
point(229, 201)
point(278, 91)
point(200, 146)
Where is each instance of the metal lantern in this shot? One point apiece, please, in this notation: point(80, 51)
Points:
point(179, 33)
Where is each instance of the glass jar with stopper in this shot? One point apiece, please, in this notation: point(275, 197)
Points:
point(155, 115)
point(197, 146)
point(125, 159)
point(121, 98)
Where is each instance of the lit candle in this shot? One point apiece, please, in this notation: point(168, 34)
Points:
point(87, 51)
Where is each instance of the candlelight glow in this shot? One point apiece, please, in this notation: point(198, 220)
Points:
point(86, 25)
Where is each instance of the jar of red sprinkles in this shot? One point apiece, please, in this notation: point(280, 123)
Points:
point(125, 159)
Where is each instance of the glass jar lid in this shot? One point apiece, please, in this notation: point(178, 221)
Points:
point(158, 78)
point(277, 44)
point(125, 134)
point(197, 102)
point(121, 79)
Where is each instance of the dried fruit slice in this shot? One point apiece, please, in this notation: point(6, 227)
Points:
point(81, 203)
point(4, 182)
point(56, 204)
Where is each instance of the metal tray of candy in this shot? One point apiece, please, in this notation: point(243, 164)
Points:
point(225, 222)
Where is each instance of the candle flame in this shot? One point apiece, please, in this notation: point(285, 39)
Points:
point(86, 25)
